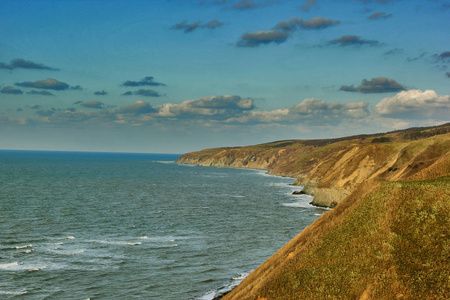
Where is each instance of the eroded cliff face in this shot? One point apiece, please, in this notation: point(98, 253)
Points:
point(331, 170)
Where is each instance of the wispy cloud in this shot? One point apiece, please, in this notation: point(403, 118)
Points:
point(100, 93)
point(42, 93)
point(254, 39)
point(93, 104)
point(51, 84)
point(307, 5)
point(46, 113)
point(11, 90)
point(186, 27)
point(142, 92)
point(394, 51)
point(247, 4)
point(314, 23)
point(146, 81)
point(353, 40)
point(282, 31)
point(25, 64)
point(375, 85)
point(443, 57)
point(379, 15)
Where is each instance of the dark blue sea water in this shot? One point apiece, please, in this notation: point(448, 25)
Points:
point(79, 225)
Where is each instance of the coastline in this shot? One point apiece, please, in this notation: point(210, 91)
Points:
point(348, 174)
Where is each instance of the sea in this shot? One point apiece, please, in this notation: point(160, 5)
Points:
point(81, 225)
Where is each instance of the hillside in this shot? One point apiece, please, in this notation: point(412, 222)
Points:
point(388, 236)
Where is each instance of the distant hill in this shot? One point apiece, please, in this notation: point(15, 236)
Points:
point(388, 236)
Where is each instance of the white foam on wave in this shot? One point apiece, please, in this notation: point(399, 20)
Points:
point(240, 277)
point(186, 165)
point(134, 243)
point(70, 237)
point(9, 265)
point(296, 204)
point(15, 266)
point(213, 294)
point(69, 252)
point(34, 269)
point(143, 237)
point(166, 162)
point(13, 293)
point(23, 247)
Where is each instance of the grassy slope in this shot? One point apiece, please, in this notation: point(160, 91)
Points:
point(386, 248)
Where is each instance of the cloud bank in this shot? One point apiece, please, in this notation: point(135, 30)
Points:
point(225, 110)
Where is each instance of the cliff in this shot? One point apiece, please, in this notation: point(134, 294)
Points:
point(332, 169)
point(388, 236)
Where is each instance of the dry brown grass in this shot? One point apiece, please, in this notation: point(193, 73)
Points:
point(393, 242)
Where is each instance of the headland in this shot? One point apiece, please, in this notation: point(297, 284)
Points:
point(388, 236)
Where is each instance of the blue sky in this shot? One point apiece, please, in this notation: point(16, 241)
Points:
point(177, 76)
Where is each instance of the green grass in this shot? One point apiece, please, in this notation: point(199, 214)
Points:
point(394, 244)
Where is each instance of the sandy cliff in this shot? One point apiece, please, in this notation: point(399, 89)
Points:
point(332, 169)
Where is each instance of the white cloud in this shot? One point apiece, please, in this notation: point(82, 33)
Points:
point(415, 104)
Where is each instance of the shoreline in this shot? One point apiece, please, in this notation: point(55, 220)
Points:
point(234, 282)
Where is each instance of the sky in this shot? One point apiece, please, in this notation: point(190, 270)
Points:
point(175, 76)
